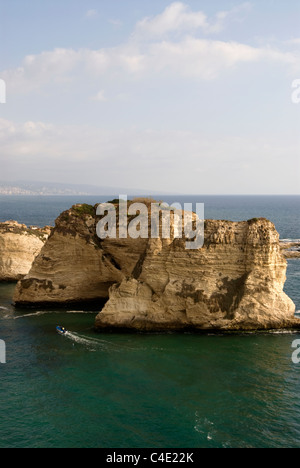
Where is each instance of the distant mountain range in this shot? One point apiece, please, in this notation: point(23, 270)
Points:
point(46, 189)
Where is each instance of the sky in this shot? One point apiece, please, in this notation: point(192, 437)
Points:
point(190, 97)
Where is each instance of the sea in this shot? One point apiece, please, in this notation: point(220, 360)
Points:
point(155, 390)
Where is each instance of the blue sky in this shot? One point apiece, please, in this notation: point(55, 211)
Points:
point(183, 97)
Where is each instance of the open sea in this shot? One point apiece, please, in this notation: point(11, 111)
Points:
point(89, 390)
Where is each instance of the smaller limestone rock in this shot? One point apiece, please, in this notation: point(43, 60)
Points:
point(19, 246)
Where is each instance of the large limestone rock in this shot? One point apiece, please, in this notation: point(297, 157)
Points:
point(234, 282)
point(75, 266)
point(19, 245)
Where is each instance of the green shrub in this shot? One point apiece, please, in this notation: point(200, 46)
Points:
point(83, 210)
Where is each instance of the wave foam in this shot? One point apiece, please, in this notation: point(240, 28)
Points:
point(80, 339)
point(34, 314)
point(94, 344)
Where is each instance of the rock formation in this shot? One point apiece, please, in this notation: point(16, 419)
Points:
point(75, 266)
point(234, 282)
point(19, 245)
point(290, 249)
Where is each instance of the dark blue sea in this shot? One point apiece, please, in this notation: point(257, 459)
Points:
point(154, 390)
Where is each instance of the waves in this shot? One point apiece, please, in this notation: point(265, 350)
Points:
point(49, 312)
point(204, 426)
point(95, 344)
point(91, 343)
point(290, 241)
point(33, 314)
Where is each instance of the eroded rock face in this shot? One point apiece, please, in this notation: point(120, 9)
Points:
point(19, 246)
point(75, 266)
point(234, 282)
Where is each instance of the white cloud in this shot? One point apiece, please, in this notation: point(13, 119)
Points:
point(39, 70)
point(176, 16)
point(155, 78)
point(178, 161)
point(149, 53)
point(179, 17)
point(100, 96)
point(117, 23)
point(295, 41)
point(190, 57)
point(204, 58)
point(29, 138)
point(91, 14)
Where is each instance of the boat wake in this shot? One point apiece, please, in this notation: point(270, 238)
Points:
point(45, 312)
point(93, 344)
point(34, 314)
point(76, 338)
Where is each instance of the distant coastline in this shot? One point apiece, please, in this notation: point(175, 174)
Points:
point(17, 191)
point(44, 189)
point(22, 188)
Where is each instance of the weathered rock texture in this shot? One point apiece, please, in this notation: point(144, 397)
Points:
point(234, 282)
point(19, 245)
point(75, 266)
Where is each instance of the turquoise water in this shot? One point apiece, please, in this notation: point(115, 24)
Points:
point(156, 390)
point(88, 390)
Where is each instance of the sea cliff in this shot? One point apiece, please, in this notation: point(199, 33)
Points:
point(234, 282)
point(19, 246)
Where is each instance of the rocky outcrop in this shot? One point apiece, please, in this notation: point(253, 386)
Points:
point(234, 282)
point(75, 266)
point(19, 245)
point(290, 249)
